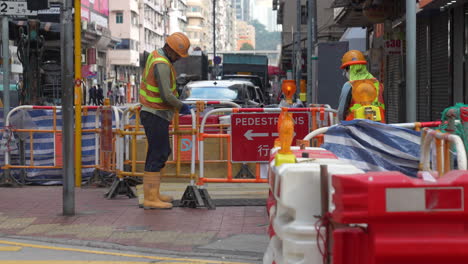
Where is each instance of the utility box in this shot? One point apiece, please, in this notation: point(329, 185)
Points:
point(330, 76)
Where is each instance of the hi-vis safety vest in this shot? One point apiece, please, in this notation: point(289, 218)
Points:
point(378, 102)
point(149, 90)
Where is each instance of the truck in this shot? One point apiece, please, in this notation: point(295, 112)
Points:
point(248, 67)
point(192, 68)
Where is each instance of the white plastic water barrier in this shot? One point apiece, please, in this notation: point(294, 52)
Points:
point(298, 196)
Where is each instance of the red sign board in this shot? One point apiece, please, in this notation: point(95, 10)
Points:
point(253, 135)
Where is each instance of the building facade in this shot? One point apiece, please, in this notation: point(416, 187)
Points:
point(441, 41)
point(151, 25)
point(287, 14)
point(177, 16)
point(242, 9)
point(225, 25)
point(245, 34)
point(197, 23)
point(124, 59)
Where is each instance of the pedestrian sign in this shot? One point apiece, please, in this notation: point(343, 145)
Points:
point(253, 135)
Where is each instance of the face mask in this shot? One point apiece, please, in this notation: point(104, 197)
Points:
point(346, 74)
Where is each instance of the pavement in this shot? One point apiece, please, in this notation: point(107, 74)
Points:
point(35, 214)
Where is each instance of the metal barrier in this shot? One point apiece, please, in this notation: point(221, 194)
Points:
point(316, 111)
point(442, 142)
point(127, 152)
point(415, 126)
point(56, 165)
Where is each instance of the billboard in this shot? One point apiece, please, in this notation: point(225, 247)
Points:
point(100, 7)
point(96, 11)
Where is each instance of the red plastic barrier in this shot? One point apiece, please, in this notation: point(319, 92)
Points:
point(348, 246)
point(409, 220)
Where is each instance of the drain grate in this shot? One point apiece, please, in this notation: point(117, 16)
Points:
point(232, 202)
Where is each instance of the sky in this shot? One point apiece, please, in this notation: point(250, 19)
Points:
point(261, 10)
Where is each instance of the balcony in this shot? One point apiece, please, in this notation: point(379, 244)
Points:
point(124, 57)
point(195, 15)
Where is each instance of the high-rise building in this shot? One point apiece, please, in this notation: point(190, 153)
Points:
point(177, 16)
point(197, 18)
point(124, 20)
point(152, 25)
point(242, 8)
point(200, 24)
point(245, 34)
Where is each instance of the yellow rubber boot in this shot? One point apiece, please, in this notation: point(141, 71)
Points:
point(141, 196)
point(152, 198)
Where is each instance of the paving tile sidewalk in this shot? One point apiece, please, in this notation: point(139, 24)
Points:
point(37, 212)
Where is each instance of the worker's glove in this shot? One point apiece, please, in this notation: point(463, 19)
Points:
point(185, 110)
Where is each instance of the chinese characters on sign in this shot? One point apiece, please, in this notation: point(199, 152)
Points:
point(253, 135)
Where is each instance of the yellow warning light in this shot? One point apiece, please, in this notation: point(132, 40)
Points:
point(286, 135)
point(289, 89)
point(364, 92)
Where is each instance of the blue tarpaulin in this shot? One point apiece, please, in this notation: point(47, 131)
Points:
point(44, 145)
point(373, 146)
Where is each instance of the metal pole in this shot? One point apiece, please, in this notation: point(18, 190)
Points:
point(66, 42)
point(6, 66)
point(298, 48)
point(311, 41)
point(410, 61)
point(214, 38)
point(78, 134)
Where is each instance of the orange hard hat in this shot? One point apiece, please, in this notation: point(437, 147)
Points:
point(179, 43)
point(364, 91)
point(352, 57)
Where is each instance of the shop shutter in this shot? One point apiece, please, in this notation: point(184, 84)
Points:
point(392, 89)
point(441, 89)
point(423, 80)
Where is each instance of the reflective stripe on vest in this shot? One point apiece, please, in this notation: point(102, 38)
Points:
point(149, 91)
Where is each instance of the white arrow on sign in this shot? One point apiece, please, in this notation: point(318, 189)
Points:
point(250, 135)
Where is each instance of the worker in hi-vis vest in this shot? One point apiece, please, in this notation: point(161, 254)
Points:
point(159, 99)
point(354, 65)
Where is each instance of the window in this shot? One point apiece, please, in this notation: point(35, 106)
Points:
point(134, 19)
point(119, 18)
point(124, 44)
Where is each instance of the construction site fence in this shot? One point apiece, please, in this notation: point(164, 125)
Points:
point(131, 132)
point(319, 115)
point(35, 141)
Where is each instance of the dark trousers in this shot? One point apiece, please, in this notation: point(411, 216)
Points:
point(157, 133)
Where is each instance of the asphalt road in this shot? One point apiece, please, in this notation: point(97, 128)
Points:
point(35, 252)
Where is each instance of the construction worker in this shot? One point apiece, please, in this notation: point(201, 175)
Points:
point(159, 99)
point(354, 65)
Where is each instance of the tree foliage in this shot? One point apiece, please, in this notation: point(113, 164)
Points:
point(246, 46)
point(264, 39)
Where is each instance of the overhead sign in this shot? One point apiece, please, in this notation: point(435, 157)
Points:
point(253, 135)
point(13, 8)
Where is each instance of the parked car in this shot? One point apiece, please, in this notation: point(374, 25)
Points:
point(256, 80)
point(243, 93)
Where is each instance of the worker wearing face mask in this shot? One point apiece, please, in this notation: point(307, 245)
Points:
point(354, 68)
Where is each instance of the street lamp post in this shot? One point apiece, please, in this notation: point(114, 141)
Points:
point(214, 39)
